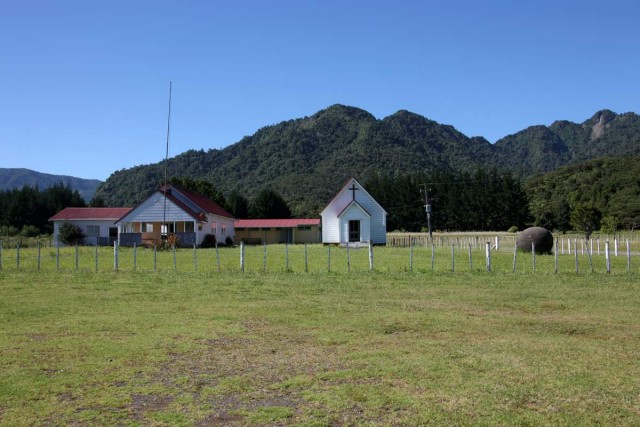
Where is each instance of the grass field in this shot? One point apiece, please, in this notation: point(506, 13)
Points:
point(388, 347)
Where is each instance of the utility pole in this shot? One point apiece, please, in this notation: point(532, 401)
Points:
point(427, 207)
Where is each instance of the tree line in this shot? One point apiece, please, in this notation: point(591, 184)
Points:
point(27, 210)
point(465, 201)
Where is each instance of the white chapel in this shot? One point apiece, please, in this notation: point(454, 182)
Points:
point(354, 216)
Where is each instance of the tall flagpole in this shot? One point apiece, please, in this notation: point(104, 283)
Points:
point(166, 162)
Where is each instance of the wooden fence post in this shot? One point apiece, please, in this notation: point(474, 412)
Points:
point(18, 256)
point(306, 259)
point(175, 264)
point(555, 258)
point(135, 256)
point(628, 256)
point(195, 259)
point(488, 255)
point(615, 246)
point(155, 257)
point(329, 258)
point(576, 255)
point(264, 256)
point(370, 256)
point(57, 255)
point(38, 255)
point(607, 256)
point(348, 260)
point(115, 256)
point(411, 256)
point(470, 258)
point(242, 256)
point(286, 257)
point(453, 258)
point(515, 255)
point(217, 256)
point(433, 256)
point(533, 255)
point(96, 257)
point(589, 253)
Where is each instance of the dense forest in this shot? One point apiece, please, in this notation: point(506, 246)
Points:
point(480, 200)
point(610, 186)
point(27, 210)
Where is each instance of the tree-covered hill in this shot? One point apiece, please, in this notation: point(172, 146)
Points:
point(540, 149)
point(610, 185)
point(306, 160)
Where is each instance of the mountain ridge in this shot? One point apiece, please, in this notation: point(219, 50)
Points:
point(11, 178)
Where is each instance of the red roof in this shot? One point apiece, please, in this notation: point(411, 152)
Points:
point(275, 223)
point(204, 203)
point(103, 214)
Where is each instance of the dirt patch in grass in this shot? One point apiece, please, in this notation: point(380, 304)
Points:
point(143, 403)
point(230, 379)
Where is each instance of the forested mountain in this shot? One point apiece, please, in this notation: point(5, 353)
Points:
point(610, 185)
point(540, 149)
point(306, 160)
point(17, 178)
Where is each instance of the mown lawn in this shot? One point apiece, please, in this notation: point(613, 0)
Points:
point(278, 348)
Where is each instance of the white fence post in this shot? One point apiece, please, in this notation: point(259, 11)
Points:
point(488, 255)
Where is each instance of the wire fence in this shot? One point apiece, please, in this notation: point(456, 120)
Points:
point(571, 256)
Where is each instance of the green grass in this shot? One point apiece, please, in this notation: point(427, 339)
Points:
point(388, 347)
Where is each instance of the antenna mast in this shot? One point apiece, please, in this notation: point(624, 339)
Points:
point(166, 162)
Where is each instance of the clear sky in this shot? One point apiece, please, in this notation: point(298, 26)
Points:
point(85, 84)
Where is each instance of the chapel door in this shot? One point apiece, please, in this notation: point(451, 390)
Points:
point(354, 230)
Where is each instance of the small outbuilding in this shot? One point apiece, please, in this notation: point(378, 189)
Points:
point(97, 224)
point(353, 215)
point(270, 231)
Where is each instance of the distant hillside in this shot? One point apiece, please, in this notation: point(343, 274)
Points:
point(611, 185)
point(18, 178)
point(540, 149)
point(307, 159)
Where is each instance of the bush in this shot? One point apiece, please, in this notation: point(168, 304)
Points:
point(8, 230)
point(228, 241)
point(209, 241)
point(70, 234)
point(512, 229)
point(30, 231)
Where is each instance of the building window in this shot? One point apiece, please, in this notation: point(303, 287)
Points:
point(304, 227)
point(214, 228)
point(148, 227)
point(93, 230)
point(188, 227)
point(223, 228)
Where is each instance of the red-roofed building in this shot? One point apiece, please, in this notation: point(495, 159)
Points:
point(97, 224)
point(259, 231)
point(174, 210)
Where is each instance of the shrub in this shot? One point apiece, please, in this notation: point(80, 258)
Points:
point(228, 241)
point(8, 230)
point(209, 241)
point(71, 234)
point(512, 229)
point(30, 231)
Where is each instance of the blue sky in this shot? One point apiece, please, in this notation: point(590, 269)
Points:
point(85, 84)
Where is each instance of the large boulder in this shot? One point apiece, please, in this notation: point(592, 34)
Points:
point(538, 235)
